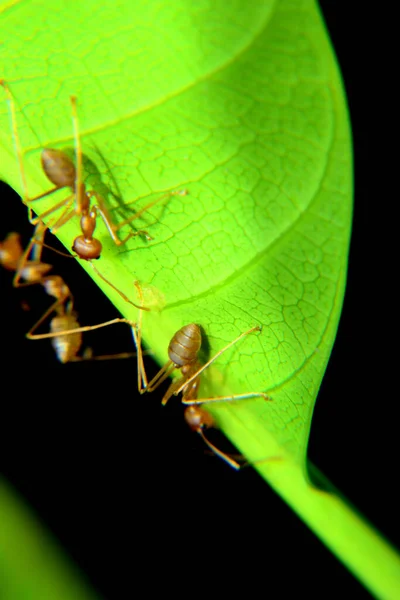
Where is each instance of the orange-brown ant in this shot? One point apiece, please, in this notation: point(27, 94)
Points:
point(183, 352)
point(63, 173)
point(27, 263)
point(65, 330)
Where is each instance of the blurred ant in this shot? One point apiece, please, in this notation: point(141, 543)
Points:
point(64, 327)
point(65, 330)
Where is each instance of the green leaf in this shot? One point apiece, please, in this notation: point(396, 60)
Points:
point(31, 563)
point(241, 104)
point(256, 129)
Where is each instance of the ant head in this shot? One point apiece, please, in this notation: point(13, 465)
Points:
point(87, 249)
point(58, 167)
point(197, 418)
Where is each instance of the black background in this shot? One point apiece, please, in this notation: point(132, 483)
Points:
point(125, 485)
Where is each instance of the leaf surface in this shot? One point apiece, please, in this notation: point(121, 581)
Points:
point(242, 105)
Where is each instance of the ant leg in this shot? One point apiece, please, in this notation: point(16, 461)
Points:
point(34, 269)
point(87, 357)
point(30, 335)
point(142, 377)
point(103, 356)
point(112, 228)
point(64, 254)
point(199, 371)
point(44, 194)
point(230, 461)
point(44, 336)
point(102, 208)
point(19, 153)
point(65, 217)
point(147, 207)
point(39, 233)
point(199, 419)
point(171, 390)
point(79, 188)
point(116, 289)
point(35, 220)
point(17, 143)
point(225, 398)
point(137, 338)
point(225, 457)
point(161, 376)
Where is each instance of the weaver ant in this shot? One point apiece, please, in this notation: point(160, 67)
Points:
point(63, 173)
point(64, 327)
point(183, 352)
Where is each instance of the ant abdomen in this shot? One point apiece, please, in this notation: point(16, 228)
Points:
point(54, 286)
point(58, 167)
point(65, 346)
point(185, 345)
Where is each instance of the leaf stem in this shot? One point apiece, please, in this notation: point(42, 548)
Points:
point(353, 540)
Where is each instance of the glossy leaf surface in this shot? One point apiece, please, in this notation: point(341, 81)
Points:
point(242, 106)
point(244, 109)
